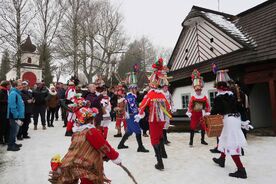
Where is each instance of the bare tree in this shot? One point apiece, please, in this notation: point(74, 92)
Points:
point(15, 17)
point(50, 13)
point(102, 38)
point(69, 37)
point(110, 38)
point(59, 69)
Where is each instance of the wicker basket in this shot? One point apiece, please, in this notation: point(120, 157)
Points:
point(214, 125)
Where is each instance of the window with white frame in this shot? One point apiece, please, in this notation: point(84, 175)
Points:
point(212, 95)
point(185, 100)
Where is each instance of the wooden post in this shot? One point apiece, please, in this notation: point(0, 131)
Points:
point(272, 91)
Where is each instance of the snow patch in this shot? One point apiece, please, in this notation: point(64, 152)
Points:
point(229, 26)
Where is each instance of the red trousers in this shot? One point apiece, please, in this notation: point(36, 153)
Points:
point(156, 131)
point(69, 126)
point(119, 121)
point(196, 121)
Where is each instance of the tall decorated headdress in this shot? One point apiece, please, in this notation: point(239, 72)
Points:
point(159, 76)
point(222, 80)
point(222, 76)
point(197, 80)
point(132, 77)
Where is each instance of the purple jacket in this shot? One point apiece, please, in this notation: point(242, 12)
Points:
point(96, 102)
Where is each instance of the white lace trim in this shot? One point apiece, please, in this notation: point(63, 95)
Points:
point(224, 92)
point(82, 127)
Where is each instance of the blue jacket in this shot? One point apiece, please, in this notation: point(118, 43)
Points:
point(16, 108)
point(132, 107)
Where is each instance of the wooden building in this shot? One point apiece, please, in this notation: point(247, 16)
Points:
point(244, 43)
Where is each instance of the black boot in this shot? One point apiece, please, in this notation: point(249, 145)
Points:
point(141, 148)
point(118, 135)
point(191, 138)
point(165, 138)
point(202, 138)
point(13, 148)
point(220, 161)
point(215, 150)
point(240, 173)
point(163, 150)
point(122, 142)
point(157, 150)
point(68, 133)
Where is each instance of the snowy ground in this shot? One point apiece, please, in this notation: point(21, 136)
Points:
point(186, 165)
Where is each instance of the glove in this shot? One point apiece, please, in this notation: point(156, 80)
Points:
point(127, 115)
point(117, 161)
point(189, 114)
point(54, 175)
point(245, 125)
point(204, 113)
point(138, 117)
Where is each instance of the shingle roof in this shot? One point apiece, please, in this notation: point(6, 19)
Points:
point(28, 46)
point(254, 28)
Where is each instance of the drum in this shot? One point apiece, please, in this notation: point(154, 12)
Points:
point(214, 125)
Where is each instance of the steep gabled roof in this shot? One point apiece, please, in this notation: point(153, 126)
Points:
point(254, 29)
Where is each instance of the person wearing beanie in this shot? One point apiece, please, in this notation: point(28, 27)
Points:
point(198, 107)
point(52, 104)
point(4, 122)
point(231, 140)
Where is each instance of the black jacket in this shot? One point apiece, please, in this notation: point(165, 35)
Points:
point(3, 100)
point(225, 104)
point(27, 95)
point(40, 96)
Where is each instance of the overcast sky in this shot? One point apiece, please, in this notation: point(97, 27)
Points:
point(160, 20)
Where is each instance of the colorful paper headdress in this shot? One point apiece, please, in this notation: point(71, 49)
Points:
point(132, 77)
point(197, 80)
point(85, 113)
point(222, 76)
point(159, 76)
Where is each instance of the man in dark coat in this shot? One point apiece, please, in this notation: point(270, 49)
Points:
point(4, 122)
point(40, 94)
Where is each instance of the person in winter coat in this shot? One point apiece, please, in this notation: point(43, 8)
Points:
point(40, 94)
point(4, 122)
point(52, 104)
point(95, 99)
point(28, 102)
point(15, 112)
